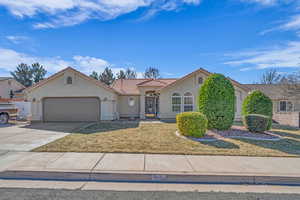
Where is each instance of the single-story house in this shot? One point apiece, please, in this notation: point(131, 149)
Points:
point(9, 87)
point(286, 107)
point(70, 95)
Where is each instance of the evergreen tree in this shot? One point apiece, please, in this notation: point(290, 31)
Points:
point(107, 76)
point(94, 75)
point(130, 74)
point(27, 75)
point(121, 75)
point(127, 74)
point(23, 74)
point(38, 72)
point(152, 73)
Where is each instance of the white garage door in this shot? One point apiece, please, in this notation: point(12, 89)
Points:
point(71, 109)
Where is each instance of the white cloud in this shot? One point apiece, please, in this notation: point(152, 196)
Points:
point(286, 56)
point(70, 12)
point(88, 64)
point(16, 39)
point(263, 2)
point(292, 24)
point(9, 59)
point(169, 5)
point(269, 2)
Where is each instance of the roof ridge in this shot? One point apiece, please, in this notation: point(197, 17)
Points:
point(147, 79)
point(53, 76)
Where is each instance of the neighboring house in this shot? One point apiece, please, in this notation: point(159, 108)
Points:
point(9, 87)
point(286, 108)
point(70, 95)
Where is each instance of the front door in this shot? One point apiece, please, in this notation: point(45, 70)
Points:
point(151, 106)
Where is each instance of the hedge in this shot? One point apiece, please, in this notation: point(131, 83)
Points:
point(258, 103)
point(191, 124)
point(216, 101)
point(256, 122)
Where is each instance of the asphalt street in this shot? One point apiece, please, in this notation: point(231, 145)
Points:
point(47, 194)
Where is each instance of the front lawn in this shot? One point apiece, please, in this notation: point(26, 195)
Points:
point(134, 137)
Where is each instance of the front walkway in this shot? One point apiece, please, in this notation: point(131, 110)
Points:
point(158, 165)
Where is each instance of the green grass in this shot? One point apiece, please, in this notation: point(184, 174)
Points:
point(132, 137)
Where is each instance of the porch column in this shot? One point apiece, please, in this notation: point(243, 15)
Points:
point(142, 106)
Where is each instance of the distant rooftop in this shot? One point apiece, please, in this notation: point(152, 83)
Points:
point(5, 78)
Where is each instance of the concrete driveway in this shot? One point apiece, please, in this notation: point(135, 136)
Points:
point(25, 137)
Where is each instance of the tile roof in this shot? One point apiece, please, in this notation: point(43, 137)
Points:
point(272, 91)
point(130, 86)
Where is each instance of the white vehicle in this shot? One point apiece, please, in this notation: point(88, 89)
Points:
point(7, 111)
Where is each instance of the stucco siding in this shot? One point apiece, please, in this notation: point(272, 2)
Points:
point(191, 85)
point(240, 96)
point(7, 85)
point(126, 110)
point(80, 87)
point(295, 102)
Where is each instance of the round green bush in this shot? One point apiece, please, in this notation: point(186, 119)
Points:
point(216, 101)
point(191, 124)
point(258, 103)
point(256, 122)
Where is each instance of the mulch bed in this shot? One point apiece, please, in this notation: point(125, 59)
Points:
point(235, 132)
point(242, 132)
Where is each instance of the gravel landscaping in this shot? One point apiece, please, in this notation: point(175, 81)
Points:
point(242, 132)
point(234, 132)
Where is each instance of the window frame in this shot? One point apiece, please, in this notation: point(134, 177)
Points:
point(131, 99)
point(178, 96)
point(188, 95)
point(200, 78)
point(286, 106)
point(69, 78)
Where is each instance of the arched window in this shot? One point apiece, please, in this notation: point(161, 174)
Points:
point(176, 102)
point(188, 101)
point(200, 80)
point(69, 80)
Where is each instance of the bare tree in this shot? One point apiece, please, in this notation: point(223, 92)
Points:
point(291, 84)
point(270, 76)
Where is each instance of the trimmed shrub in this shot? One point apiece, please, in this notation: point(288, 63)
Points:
point(256, 122)
point(258, 103)
point(216, 101)
point(191, 124)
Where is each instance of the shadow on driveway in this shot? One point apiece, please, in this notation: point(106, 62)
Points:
point(56, 127)
point(106, 126)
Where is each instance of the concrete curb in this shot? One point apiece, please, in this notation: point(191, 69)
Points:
point(151, 178)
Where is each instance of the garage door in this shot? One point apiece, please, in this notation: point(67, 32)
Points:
point(71, 109)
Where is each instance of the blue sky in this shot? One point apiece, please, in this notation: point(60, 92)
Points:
point(239, 38)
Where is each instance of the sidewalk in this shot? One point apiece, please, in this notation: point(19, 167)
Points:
point(150, 168)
